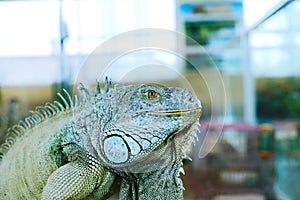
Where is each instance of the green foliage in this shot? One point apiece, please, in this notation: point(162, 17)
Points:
point(278, 99)
point(205, 31)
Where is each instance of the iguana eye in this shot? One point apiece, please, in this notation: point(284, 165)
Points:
point(151, 94)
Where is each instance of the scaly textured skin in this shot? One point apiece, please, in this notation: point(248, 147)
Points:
point(165, 182)
point(75, 151)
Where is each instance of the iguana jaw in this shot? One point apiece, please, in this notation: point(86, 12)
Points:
point(189, 116)
point(197, 111)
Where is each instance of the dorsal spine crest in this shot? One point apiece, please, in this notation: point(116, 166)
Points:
point(39, 115)
point(42, 113)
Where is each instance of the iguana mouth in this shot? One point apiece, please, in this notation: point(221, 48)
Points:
point(178, 132)
point(197, 110)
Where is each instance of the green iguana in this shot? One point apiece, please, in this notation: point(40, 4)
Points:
point(74, 151)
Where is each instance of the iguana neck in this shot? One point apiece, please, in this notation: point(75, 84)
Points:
point(162, 182)
point(87, 126)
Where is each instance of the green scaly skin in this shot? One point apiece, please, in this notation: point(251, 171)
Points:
point(75, 151)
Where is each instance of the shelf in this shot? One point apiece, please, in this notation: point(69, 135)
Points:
point(212, 17)
point(215, 2)
point(206, 50)
point(214, 26)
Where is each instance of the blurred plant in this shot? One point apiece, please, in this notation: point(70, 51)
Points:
point(10, 116)
point(278, 99)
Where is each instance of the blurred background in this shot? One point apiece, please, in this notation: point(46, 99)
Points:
point(254, 45)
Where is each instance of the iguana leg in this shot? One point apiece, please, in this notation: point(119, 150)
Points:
point(105, 189)
point(79, 177)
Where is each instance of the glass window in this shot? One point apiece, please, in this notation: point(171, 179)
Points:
point(256, 9)
point(269, 39)
point(91, 22)
point(28, 28)
point(31, 32)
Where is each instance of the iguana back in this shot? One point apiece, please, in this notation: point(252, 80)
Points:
point(34, 148)
point(30, 161)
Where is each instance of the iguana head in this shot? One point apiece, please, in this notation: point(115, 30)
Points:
point(142, 119)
